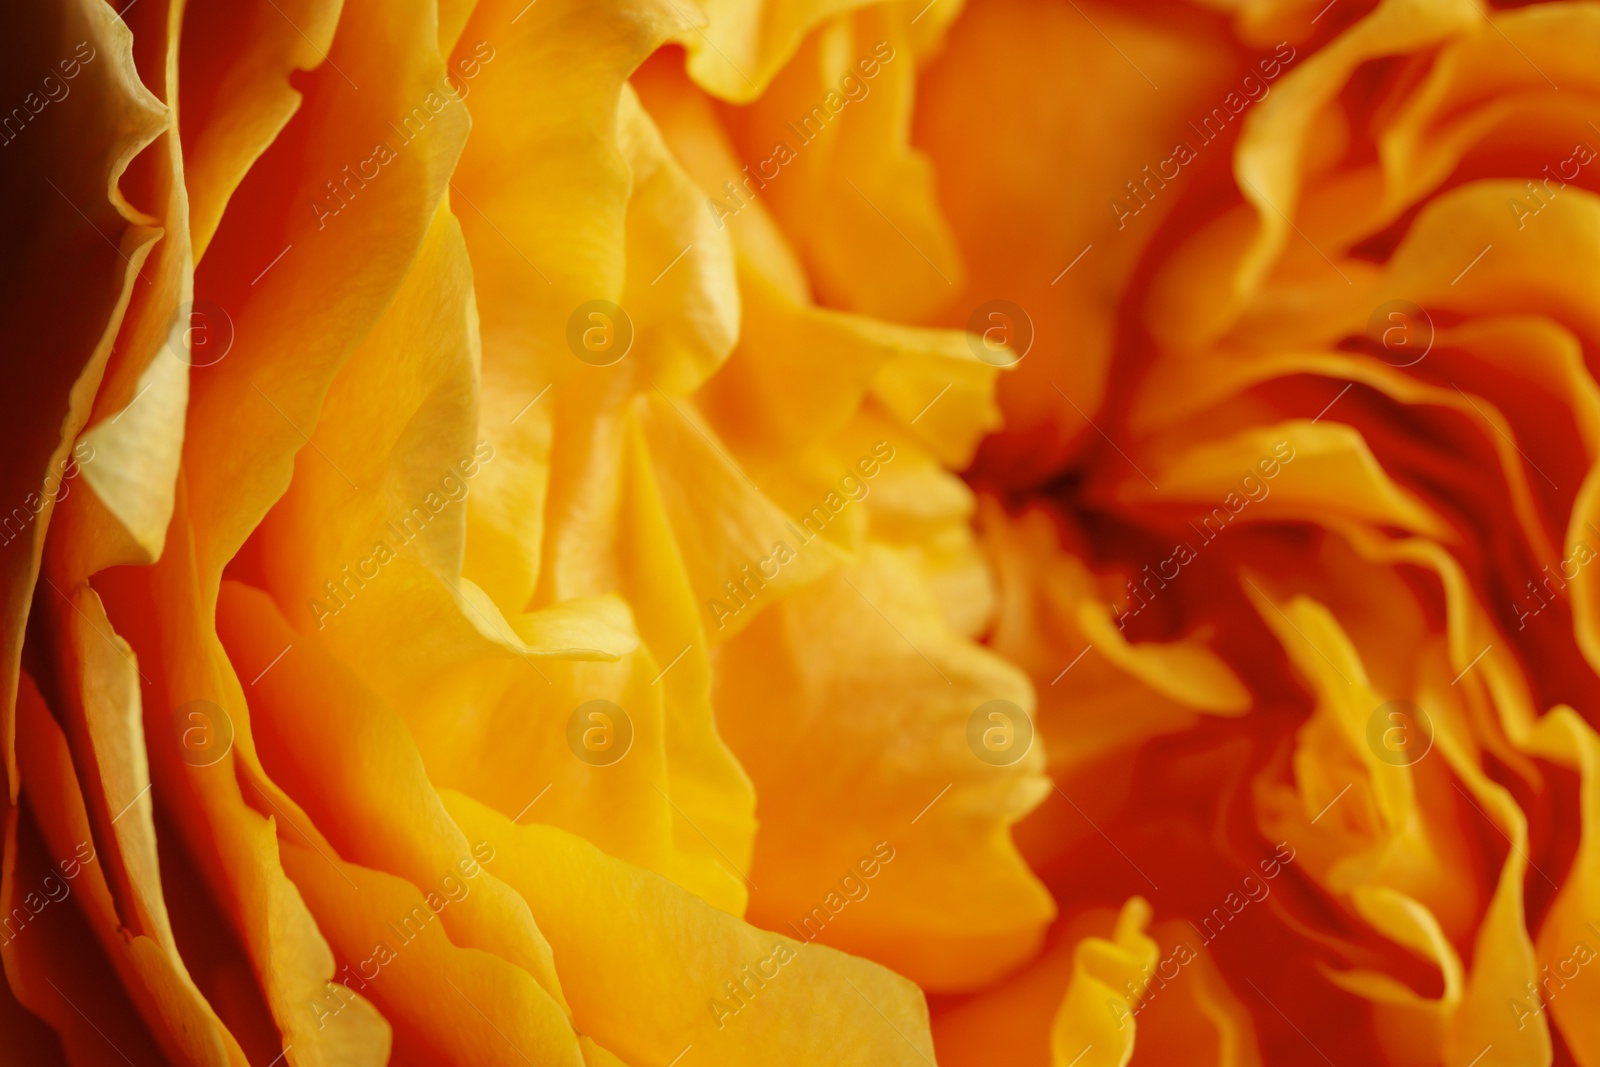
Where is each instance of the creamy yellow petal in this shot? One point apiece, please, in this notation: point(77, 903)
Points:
point(652, 971)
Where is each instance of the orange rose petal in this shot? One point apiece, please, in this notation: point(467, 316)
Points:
point(739, 48)
point(1560, 739)
point(1083, 1029)
point(1099, 692)
point(509, 758)
point(1386, 801)
point(1402, 1018)
point(1199, 1021)
point(657, 567)
point(595, 1056)
point(379, 813)
point(136, 446)
point(253, 475)
point(1567, 940)
point(178, 1018)
point(655, 973)
point(1539, 348)
point(713, 802)
point(520, 762)
point(1029, 187)
point(916, 504)
point(1503, 953)
point(680, 287)
point(55, 969)
point(867, 636)
point(723, 525)
point(450, 1005)
point(760, 398)
point(1490, 96)
point(232, 844)
point(1313, 457)
point(94, 685)
point(1390, 813)
point(1264, 22)
point(1012, 1018)
point(85, 227)
point(801, 372)
point(1206, 1019)
point(235, 91)
point(400, 417)
point(826, 148)
point(30, 1042)
point(548, 115)
point(100, 703)
point(1266, 163)
point(691, 125)
point(294, 327)
point(938, 380)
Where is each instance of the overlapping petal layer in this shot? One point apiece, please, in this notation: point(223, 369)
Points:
point(489, 578)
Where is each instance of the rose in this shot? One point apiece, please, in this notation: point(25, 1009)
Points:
point(1437, 910)
point(243, 905)
point(433, 306)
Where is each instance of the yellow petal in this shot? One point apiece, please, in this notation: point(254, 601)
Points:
point(860, 663)
point(654, 972)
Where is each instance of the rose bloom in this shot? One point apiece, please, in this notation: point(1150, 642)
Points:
point(489, 577)
point(441, 537)
point(1294, 522)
